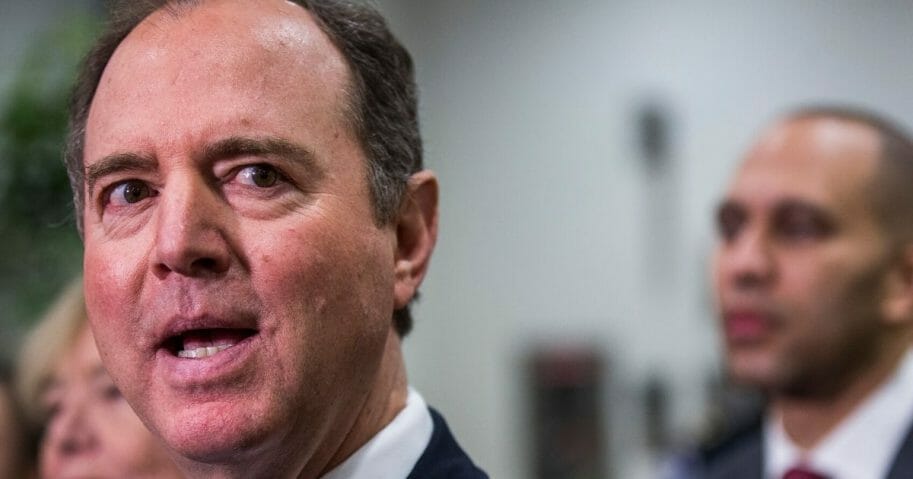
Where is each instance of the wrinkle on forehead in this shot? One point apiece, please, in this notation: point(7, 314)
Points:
point(253, 48)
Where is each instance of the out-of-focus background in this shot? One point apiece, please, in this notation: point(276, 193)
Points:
point(567, 326)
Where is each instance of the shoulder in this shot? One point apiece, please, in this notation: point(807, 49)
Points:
point(444, 458)
point(738, 454)
point(903, 460)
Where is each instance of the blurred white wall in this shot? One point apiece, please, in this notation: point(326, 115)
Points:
point(528, 112)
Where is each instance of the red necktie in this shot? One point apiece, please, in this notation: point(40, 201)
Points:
point(802, 473)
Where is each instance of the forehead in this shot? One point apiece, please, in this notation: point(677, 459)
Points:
point(237, 30)
point(829, 162)
point(80, 359)
point(241, 59)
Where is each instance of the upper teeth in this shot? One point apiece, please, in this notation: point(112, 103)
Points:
point(202, 352)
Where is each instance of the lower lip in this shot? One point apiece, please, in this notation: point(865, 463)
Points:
point(219, 370)
point(745, 327)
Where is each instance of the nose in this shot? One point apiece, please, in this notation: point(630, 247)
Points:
point(746, 261)
point(190, 232)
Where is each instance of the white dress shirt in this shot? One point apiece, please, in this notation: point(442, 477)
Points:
point(393, 452)
point(862, 446)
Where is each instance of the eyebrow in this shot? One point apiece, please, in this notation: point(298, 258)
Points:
point(780, 206)
point(265, 146)
point(117, 163)
point(790, 205)
point(227, 148)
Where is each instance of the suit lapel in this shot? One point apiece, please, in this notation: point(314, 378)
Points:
point(902, 468)
point(743, 458)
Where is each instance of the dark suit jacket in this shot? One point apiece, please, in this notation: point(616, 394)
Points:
point(443, 458)
point(741, 457)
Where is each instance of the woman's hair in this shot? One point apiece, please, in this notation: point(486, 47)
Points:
point(21, 442)
point(48, 340)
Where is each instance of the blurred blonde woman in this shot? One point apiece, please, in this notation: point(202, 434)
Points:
point(89, 430)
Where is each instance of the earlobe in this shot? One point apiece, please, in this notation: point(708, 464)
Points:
point(416, 234)
point(898, 298)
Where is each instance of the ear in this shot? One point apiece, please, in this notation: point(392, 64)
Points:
point(897, 305)
point(416, 234)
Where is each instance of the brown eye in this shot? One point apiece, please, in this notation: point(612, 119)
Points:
point(729, 221)
point(110, 392)
point(262, 176)
point(798, 223)
point(129, 192)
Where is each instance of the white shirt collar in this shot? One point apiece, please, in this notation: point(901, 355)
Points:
point(863, 446)
point(394, 451)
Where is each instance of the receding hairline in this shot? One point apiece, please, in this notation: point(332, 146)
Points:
point(341, 85)
point(892, 181)
point(886, 130)
point(177, 10)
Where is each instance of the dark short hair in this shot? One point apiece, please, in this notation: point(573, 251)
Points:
point(383, 98)
point(892, 188)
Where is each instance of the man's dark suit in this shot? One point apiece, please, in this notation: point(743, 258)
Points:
point(741, 457)
point(443, 458)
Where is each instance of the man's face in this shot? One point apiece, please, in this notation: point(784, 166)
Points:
point(801, 258)
point(240, 290)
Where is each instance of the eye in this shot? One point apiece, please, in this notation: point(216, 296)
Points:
point(111, 393)
point(261, 176)
point(51, 402)
point(802, 223)
point(129, 192)
point(51, 410)
point(729, 221)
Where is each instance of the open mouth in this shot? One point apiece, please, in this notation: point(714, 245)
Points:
point(204, 343)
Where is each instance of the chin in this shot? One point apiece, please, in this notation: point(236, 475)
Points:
point(215, 434)
point(753, 370)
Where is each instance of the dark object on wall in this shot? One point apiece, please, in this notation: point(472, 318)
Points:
point(653, 125)
point(656, 404)
point(654, 131)
point(566, 386)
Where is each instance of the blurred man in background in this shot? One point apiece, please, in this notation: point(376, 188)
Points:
point(256, 217)
point(814, 279)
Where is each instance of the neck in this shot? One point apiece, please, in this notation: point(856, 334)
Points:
point(808, 420)
point(386, 399)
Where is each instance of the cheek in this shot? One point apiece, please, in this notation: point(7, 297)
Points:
point(100, 307)
point(830, 303)
point(48, 464)
point(100, 283)
point(110, 306)
point(109, 286)
point(328, 291)
point(322, 266)
point(133, 449)
point(810, 284)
